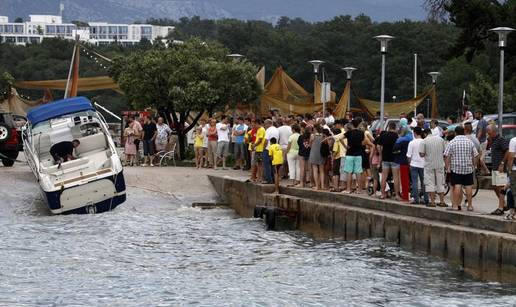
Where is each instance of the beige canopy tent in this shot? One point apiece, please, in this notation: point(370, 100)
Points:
point(394, 109)
point(85, 84)
point(17, 105)
point(286, 95)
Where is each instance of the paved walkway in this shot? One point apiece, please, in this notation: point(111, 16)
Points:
point(184, 182)
point(484, 202)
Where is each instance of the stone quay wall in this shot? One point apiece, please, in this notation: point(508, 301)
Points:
point(484, 246)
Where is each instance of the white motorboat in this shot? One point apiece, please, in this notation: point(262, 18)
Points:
point(93, 181)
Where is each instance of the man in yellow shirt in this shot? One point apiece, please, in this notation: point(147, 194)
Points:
point(257, 149)
point(276, 154)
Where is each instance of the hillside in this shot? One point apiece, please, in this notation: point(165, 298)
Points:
point(270, 10)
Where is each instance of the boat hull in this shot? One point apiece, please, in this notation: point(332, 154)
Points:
point(96, 196)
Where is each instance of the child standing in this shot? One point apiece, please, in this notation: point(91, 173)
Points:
point(276, 154)
point(375, 169)
point(199, 147)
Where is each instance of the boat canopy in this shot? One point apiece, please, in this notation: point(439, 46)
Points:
point(58, 108)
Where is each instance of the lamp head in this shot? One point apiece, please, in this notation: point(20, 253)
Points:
point(434, 75)
point(316, 64)
point(235, 56)
point(384, 40)
point(502, 32)
point(349, 71)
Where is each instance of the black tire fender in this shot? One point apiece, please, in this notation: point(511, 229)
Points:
point(270, 218)
point(257, 212)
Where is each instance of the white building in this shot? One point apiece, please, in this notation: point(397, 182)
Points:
point(98, 33)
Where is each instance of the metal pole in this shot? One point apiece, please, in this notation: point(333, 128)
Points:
point(324, 95)
point(415, 83)
point(500, 94)
point(428, 108)
point(107, 111)
point(382, 93)
point(348, 108)
point(70, 71)
point(315, 87)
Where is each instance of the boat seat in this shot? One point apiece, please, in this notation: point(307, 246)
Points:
point(91, 144)
point(49, 169)
point(61, 135)
point(42, 145)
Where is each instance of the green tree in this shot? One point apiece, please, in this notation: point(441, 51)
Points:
point(482, 94)
point(185, 80)
point(6, 82)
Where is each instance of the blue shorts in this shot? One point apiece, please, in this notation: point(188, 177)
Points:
point(389, 165)
point(148, 147)
point(353, 165)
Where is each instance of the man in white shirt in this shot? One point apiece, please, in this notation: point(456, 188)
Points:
point(511, 171)
point(222, 141)
point(284, 132)
point(238, 134)
point(417, 167)
point(330, 120)
point(434, 127)
point(270, 132)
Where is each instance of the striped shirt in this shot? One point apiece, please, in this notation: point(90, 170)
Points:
point(461, 152)
point(433, 148)
point(499, 146)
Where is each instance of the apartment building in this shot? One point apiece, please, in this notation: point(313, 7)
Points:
point(40, 27)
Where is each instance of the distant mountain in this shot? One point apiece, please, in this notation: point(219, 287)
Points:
point(128, 11)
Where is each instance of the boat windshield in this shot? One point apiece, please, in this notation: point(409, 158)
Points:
point(48, 125)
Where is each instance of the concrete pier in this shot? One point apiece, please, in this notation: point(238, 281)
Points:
point(483, 245)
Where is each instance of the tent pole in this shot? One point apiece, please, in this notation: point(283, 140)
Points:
point(415, 82)
point(71, 67)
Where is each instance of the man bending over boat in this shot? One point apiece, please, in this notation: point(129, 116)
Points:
point(63, 151)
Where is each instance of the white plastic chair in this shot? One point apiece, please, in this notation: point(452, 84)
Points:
point(165, 156)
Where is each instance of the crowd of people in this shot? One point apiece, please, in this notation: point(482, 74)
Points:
point(154, 135)
point(411, 160)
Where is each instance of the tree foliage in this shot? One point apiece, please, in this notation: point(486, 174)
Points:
point(342, 41)
point(459, 48)
point(6, 82)
point(186, 80)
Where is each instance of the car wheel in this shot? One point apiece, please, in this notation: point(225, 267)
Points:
point(10, 158)
point(5, 133)
point(7, 162)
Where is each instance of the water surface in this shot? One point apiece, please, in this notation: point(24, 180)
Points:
point(158, 251)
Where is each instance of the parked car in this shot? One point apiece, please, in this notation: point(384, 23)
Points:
point(508, 119)
point(19, 122)
point(376, 129)
point(9, 139)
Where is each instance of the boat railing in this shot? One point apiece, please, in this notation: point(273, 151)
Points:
point(106, 131)
point(28, 148)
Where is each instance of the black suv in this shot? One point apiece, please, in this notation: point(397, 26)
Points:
point(9, 139)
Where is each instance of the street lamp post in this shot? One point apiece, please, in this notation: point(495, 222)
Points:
point(384, 40)
point(394, 98)
point(434, 75)
point(316, 64)
point(502, 32)
point(349, 73)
